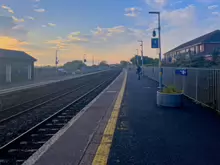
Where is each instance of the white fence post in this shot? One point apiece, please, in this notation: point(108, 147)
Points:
point(196, 84)
point(183, 83)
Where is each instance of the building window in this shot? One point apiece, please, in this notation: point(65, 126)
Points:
point(197, 49)
point(192, 49)
point(201, 48)
point(182, 51)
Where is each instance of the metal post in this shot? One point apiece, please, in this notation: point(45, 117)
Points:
point(159, 38)
point(160, 68)
point(196, 84)
point(92, 60)
point(142, 59)
point(84, 58)
point(8, 73)
point(137, 57)
point(56, 59)
point(142, 55)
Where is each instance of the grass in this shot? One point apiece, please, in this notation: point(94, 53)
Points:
point(171, 90)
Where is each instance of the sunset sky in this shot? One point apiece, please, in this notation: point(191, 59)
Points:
point(105, 29)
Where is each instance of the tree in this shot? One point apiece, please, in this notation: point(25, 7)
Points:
point(215, 55)
point(147, 60)
point(103, 63)
point(124, 63)
point(73, 66)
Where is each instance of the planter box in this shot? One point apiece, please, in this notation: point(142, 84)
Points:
point(169, 100)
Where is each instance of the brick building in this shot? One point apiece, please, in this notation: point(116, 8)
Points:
point(15, 66)
point(201, 46)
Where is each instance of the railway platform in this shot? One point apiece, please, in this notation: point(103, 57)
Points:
point(123, 125)
point(149, 135)
point(37, 83)
point(77, 142)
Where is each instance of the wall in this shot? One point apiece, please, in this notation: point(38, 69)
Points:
point(19, 70)
point(2, 72)
point(210, 47)
point(44, 72)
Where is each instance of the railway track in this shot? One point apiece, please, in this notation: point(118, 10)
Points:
point(19, 109)
point(22, 121)
point(16, 98)
point(23, 146)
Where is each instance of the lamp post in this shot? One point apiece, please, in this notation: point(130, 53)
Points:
point(84, 58)
point(159, 38)
point(142, 54)
point(93, 60)
point(137, 57)
point(56, 58)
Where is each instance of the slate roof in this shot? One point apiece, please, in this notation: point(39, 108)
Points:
point(212, 37)
point(14, 54)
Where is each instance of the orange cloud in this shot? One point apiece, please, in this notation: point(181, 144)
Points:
point(11, 43)
point(46, 55)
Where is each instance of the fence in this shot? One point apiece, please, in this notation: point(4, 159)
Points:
point(202, 85)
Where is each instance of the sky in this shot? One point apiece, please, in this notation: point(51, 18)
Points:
point(101, 29)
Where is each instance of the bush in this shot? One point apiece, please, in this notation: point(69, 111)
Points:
point(171, 89)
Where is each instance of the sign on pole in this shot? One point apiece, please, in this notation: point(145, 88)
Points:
point(154, 43)
point(182, 72)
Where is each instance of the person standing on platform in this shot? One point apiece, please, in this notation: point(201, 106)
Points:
point(138, 72)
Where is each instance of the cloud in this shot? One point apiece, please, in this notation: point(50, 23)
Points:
point(132, 12)
point(108, 32)
point(75, 33)
point(39, 10)
point(179, 17)
point(18, 27)
point(72, 39)
point(51, 24)
point(11, 43)
point(17, 20)
point(55, 42)
point(212, 7)
point(216, 13)
point(174, 3)
point(43, 26)
point(156, 3)
point(6, 23)
point(30, 18)
point(8, 9)
point(207, 1)
point(116, 29)
point(10, 28)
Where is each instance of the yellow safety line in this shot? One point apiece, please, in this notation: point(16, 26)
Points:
point(101, 156)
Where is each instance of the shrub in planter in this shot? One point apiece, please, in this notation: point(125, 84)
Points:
point(169, 97)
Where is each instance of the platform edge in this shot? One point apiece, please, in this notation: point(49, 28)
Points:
point(36, 156)
point(102, 153)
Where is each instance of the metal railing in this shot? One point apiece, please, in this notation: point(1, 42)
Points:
point(202, 85)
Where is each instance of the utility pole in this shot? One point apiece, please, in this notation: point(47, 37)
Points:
point(56, 59)
point(137, 57)
point(92, 60)
point(84, 58)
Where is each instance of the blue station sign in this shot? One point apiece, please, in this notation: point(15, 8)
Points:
point(182, 72)
point(154, 43)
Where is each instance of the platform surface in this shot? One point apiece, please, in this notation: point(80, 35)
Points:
point(151, 135)
point(77, 142)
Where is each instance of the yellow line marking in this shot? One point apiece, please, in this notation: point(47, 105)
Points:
point(102, 153)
